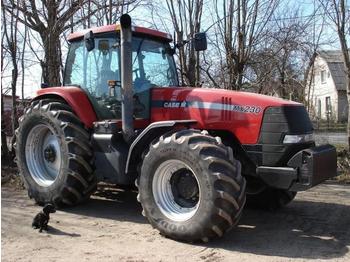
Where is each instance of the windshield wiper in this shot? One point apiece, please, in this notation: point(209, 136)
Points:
point(138, 51)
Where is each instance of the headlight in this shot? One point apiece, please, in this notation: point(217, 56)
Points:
point(293, 139)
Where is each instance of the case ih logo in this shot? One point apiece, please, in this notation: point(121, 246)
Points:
point(175, 104)
point(208, 105)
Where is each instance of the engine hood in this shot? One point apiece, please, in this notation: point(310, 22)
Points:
point(240, 113)
point(238, 97)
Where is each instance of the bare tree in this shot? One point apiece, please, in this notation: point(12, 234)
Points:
point(186, 17)
point(339, 14)
point(11, 37)
point(98, 13)
point(240, 28)
point(10, 46)
point(310, 69)
point(4, 148)
point(291, 44)
point(49, 19)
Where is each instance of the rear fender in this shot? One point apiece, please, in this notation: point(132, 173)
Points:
point(75, 97)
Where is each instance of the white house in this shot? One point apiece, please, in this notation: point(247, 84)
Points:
point(327, 95)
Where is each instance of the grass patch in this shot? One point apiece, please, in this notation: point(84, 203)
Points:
point(343, 164)
point(10, 178)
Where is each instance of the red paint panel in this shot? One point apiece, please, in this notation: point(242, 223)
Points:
point(95, 30)
point(211, 108)
point(116, 27)
point(76, 98)
point(216, 116)
point(152, 32)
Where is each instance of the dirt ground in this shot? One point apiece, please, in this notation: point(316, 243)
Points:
point(316, 226)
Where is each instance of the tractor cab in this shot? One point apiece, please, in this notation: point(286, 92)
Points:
point(94, 64)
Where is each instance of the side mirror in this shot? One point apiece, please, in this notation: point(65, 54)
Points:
point(89, 41)
point(200, 41)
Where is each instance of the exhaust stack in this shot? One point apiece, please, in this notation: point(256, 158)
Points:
point(126, 77)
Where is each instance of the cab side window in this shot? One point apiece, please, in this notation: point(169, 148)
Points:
point(92, 71)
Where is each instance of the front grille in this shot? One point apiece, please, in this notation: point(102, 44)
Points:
point(277, 122)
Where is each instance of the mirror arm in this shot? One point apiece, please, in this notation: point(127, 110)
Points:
point(181, 44)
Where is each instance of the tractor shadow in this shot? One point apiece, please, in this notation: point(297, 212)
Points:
point(113, 203)
point(304, 229)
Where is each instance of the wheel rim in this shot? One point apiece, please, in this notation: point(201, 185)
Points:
point(43, 155)
point(176, 190)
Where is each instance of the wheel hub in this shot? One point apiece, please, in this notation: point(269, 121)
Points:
point(50, 154)
point(184, 188)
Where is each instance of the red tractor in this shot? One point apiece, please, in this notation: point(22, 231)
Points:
point(195, 154)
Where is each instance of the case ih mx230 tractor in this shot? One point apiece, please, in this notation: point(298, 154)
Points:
point(196, 154)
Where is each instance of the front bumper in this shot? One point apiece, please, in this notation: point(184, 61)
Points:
point(305, 169)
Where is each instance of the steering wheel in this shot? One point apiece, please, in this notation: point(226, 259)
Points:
point(136, 70)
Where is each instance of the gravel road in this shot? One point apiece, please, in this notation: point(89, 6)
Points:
point(316, 226)
point(335, 138)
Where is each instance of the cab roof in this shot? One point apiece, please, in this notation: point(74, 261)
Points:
point(116, 28)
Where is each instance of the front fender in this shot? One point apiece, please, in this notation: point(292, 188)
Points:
point(143, 140)
point(76, 98)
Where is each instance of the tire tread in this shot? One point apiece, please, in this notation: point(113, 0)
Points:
point(80, 182)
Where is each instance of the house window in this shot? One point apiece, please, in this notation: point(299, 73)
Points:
point(328, 104)
point(323, 76)
point(319, 108)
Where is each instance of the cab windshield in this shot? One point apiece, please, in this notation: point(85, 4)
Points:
point(152, 66)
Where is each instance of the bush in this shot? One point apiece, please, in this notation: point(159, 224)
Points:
point(343, 164)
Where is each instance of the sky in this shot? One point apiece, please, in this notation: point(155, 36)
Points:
point(33, 70)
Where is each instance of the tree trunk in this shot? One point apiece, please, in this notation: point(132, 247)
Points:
point(14, 103)
point(22, 61)
point(5, 154)
point(308, 79)
point(345, 51)
point(347, 68)
point(198, 75)
point(191, 68)
point(51, 66)
point(239, 78)
point(348, 114)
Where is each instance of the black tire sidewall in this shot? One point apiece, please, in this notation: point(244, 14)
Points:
point(42, 193)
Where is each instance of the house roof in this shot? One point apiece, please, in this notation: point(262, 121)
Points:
point(335, 62)
point(9, 96)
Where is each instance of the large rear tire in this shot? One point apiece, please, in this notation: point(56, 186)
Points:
point(191, 187)
point(54, 155)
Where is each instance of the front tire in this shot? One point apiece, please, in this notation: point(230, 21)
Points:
point(191, 187)
point(54, 156)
